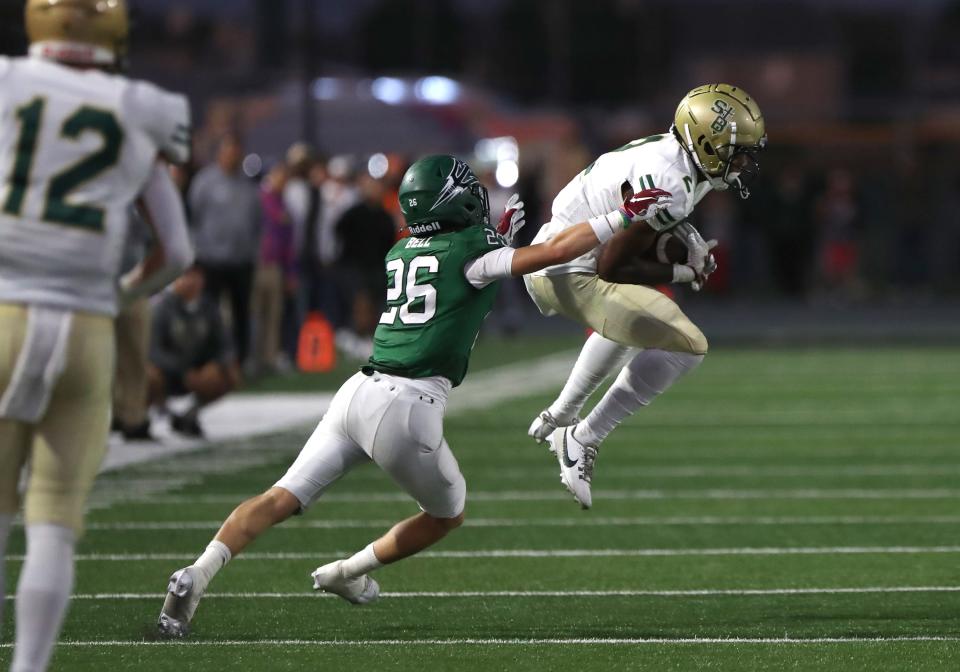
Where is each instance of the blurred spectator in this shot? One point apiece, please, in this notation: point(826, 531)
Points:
point(337, 194)
point(225, 207)
point(132, 334)
point(365, 233)
point(189, 351)
point(839, 219)
point(300, 197)
point(787, 223)
point(276, 274)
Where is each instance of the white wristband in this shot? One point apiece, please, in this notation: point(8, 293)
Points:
point(683, 273)
point(607, 226)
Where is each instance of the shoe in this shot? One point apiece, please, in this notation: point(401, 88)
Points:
point(576, 464)
point(187, 425)
point(359, 590)
point(139, 432)
point(545, 424)
point(183, 596)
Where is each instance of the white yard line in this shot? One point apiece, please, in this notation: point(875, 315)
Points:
point(548, 553)
point(501, 642)
point(558, 494)
point(705, 592)
point(579, 521)
point(741, 470)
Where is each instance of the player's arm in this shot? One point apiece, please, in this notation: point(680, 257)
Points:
point(162, 210)
point(566, 246)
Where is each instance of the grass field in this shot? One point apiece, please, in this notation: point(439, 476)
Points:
point(779, 509)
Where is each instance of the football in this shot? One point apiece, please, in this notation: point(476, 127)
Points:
point(669, 249)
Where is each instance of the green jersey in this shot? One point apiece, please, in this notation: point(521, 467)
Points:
point(433, 313)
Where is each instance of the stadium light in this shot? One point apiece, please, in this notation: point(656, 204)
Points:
point(378, 165)
point(508, 172)
point(326, 88)
point(389, 90)
point(437, 90)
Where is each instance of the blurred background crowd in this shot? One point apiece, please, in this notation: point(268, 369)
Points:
point(307, 112)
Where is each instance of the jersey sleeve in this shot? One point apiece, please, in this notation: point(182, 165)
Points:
point(164, 116)
point(471, 245)
point(490, 267)
point(669, 179)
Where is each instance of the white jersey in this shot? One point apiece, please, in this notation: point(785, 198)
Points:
point(76, 147)
point(657, 161)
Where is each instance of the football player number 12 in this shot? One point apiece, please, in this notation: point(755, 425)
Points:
point(56, 207)
point(423, 296)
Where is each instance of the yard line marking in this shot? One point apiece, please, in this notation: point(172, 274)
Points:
point(547, 553)
point(643, 521)
point(500, 642)
point(704, 592)
point(560, 495)
point(743, 470)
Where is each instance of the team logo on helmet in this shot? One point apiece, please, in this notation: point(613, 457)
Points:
point(459, 179)
point(724, 112)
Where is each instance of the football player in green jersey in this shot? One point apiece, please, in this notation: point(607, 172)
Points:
point(441, 284)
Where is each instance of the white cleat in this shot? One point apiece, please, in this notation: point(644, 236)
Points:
point(576, 464)
point(359, 590)
point(545, 424)
point(183, 596)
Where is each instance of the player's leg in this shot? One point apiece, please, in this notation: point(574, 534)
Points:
point(598, 359)
point(68, 448)
point(408, 444)
point(634, 316)
point(15, 441)
point(327, 455)
point(132, 330)
point(649, 374)
point(206, 385)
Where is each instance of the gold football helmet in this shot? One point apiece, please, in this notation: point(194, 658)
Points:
point(723, 130)
point(81, 32)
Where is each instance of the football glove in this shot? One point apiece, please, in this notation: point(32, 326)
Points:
point(699, 256)
point(512, 220)
point(644, 205)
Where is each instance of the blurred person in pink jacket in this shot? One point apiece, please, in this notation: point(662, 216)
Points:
point(276, 274)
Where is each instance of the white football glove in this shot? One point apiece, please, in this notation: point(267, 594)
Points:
point(699, 256)
point(513, 219)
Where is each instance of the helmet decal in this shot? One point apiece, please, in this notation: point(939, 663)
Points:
point(458, 180)
point(724, 111)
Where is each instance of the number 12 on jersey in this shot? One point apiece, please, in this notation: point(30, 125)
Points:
point(57, 206)
point(419, 299)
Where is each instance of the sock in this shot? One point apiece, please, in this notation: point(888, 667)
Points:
point(641, 380)
point(43, 595)
point(361, 562)
point(212, 560)
point(6, 521)
point(598, 359)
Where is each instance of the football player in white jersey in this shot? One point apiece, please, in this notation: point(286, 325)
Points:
point(717, 134)
point(79, 144)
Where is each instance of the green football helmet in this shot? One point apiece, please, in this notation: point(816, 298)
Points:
point(723, 131)
point(440, 193)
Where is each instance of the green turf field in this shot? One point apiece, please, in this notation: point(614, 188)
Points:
point(779, 509)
